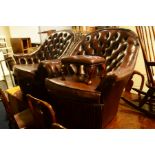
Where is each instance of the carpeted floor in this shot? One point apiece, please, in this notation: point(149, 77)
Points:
point(3, 117)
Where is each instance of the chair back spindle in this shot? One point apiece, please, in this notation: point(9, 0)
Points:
point(147, 40)
point(42, 111)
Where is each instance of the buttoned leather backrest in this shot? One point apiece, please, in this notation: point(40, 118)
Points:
point(112, 44)
point(53, 48)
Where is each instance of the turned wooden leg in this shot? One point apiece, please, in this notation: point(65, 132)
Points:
point(90, 71)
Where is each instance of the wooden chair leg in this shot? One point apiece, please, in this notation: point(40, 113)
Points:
point(130, 83)
point(144, 100)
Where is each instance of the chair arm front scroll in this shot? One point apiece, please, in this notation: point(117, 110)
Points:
point(48, 68)
point(57, 126)
point(122, 73)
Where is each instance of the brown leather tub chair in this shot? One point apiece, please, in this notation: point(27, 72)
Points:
point(88, 92)
point(28, 70)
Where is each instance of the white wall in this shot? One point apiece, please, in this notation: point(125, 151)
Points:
point(57, 28)
point(46, 28)
point(33, 32)
point(3, 65)
point(25, 31)
point(4, 31)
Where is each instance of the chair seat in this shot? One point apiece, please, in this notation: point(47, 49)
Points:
point(73, 87)
point(24, 119)
point(25, 69)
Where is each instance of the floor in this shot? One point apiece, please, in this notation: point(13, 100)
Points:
point(129, 118)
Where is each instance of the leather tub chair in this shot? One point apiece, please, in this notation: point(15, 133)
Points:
point(51, 51)
point(87, 93)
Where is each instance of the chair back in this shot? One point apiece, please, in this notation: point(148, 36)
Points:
point(42, 111)
point(114, 44)
point(54, 47)
point(146, 36)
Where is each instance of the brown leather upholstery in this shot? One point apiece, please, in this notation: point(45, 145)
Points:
point(112, 44)
point(54, 47)
point(79, 105)
point(85, 60)
point(31, 69)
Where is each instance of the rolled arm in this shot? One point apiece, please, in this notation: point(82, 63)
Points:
point(29, 58)
point(49, 68)
point(122, 73)
point(126, 69)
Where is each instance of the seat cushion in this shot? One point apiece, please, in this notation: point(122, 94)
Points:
point(24, 119)
point(25, 69)
point(72, 87)
point(25, 77)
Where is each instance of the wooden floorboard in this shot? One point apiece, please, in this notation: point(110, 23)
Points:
point(129, 118)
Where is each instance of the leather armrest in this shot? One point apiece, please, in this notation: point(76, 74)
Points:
point(27, 54)
point(26, 58)
point(83, 60)
point(49, 68)
point(123, 73)
point(125, 70)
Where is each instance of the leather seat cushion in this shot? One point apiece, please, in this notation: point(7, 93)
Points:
point(25, 70)
point(71, 87)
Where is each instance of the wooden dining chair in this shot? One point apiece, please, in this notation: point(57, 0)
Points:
point(7, 109)
point(146, 100)
point(43, 114)
point(19, 120)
